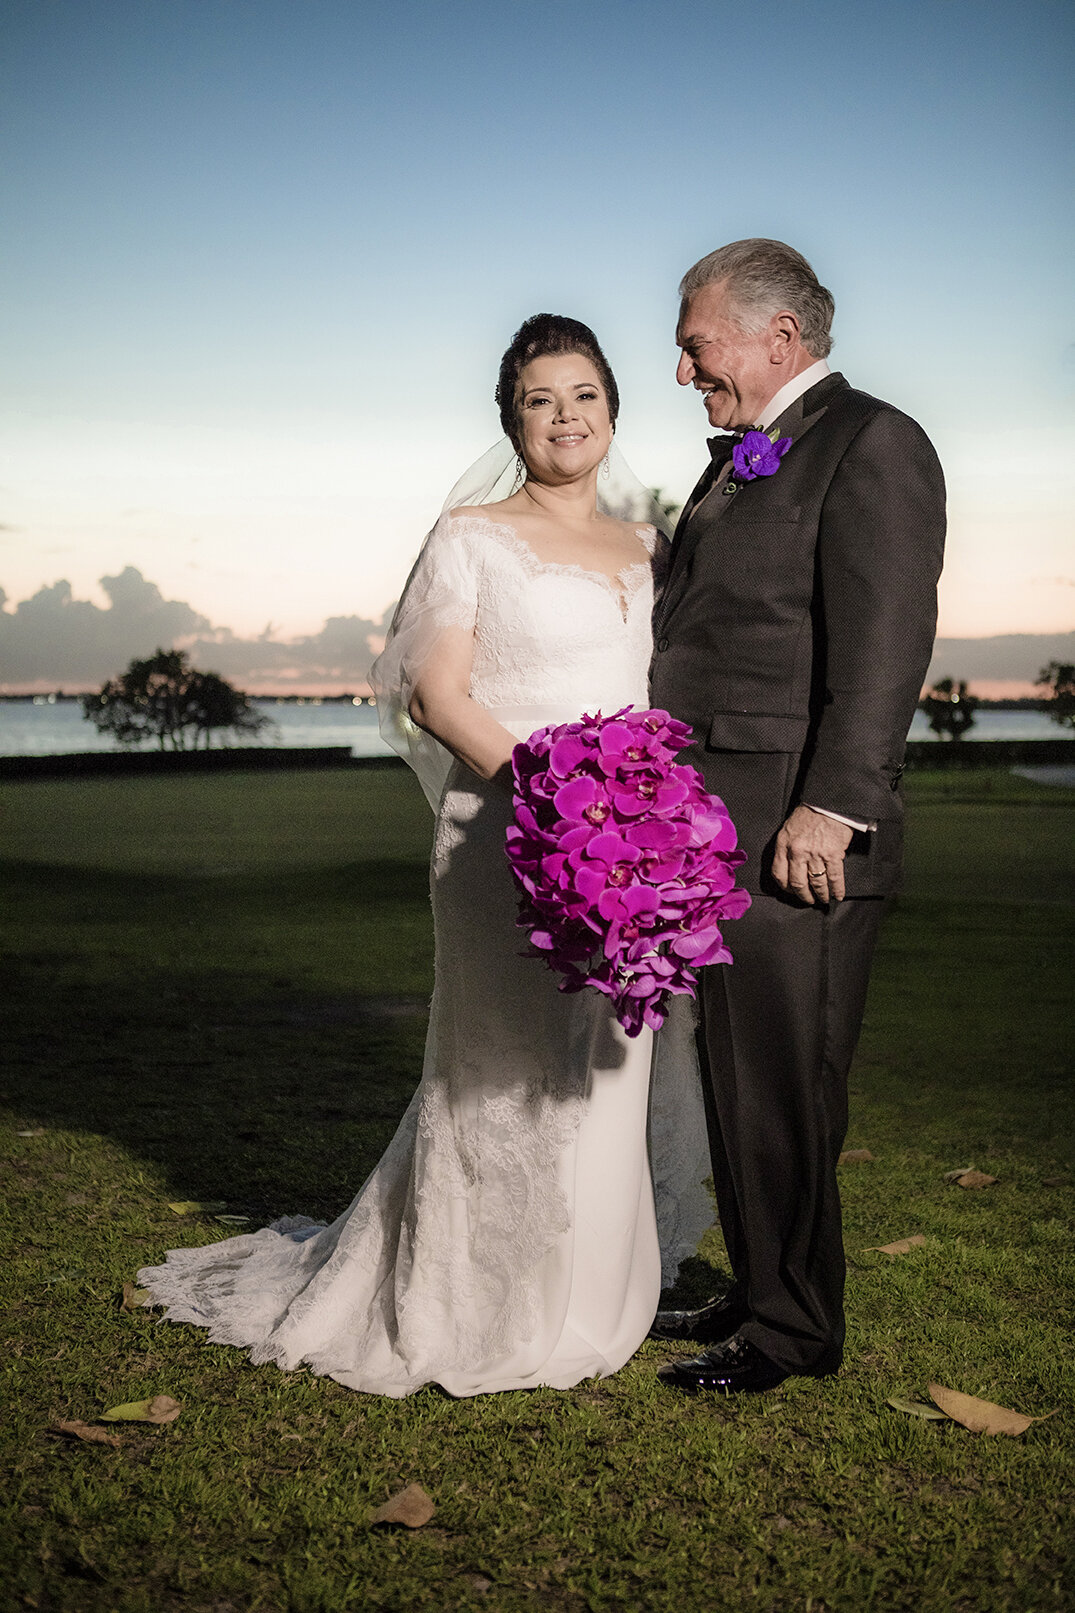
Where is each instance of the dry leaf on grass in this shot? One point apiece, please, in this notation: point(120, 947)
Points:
point(411, 1506)
point(902, 1246)
point(133, 1298)
point(232, 1220)
point(197, 1206)
point(918, 1408)
point(967, 1176)
point(161, 1409)
point(77, 1430)
point(854, 1156)
point(981, 1416)
point(1053, 1181)
point(34, 1131)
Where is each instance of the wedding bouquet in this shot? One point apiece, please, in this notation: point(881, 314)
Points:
point(625, 864)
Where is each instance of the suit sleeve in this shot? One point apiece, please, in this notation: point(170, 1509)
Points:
point(879, 552)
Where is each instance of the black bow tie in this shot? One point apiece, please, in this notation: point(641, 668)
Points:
point(721, 447)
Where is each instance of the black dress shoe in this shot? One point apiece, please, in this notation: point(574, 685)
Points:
point(735, 1367)
point(709, 1324)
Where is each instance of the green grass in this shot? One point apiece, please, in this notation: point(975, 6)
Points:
point(216, 988)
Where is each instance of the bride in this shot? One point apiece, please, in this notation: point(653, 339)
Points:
point(512, 1235)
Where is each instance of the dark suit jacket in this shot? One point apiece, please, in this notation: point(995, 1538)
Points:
point(797, 623)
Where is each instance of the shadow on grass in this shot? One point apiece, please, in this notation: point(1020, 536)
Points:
point(127, 894)
point(158, 1013)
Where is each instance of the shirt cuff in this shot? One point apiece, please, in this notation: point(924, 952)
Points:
point(852, 823)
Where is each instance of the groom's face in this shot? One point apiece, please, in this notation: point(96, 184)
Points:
point(734, 371)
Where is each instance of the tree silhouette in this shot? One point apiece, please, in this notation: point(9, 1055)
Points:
point(1058, 679)
point(166, 699)
point(950, 708)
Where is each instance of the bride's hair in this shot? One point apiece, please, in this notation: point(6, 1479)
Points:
point(538, 337)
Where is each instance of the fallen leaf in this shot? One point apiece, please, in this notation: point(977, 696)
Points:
point(902, 1246)
point(133, 1298)
point(35, 1131)
point(1052, 1181)
point(197, 1206)
point(232, 1220)
point(411, 1506)
point(478, 1583)
point(161, 1409)
point(94, 1436)
point(967, 1176)
point(981, 1416)
point(71, 1199)
point(854, 1156)
point(917, 1408)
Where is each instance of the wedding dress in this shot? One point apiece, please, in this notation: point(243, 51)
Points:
point(508, 1238)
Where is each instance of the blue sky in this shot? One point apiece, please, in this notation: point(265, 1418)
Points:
point(263, 256)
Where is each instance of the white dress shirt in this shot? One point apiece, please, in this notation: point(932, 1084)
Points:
point(790, 391)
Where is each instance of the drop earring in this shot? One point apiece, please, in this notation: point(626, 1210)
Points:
point(606, 468)
point(520, 473)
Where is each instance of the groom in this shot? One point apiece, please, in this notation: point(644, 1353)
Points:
point(793, 635)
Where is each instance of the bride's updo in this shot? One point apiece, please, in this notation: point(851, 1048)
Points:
point(538, 337)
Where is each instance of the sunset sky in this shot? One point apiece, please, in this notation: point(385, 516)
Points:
point(263, 255)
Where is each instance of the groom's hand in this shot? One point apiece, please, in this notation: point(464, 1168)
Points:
point(809, 856)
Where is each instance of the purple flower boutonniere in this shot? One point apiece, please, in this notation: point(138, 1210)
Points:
point(758, 455)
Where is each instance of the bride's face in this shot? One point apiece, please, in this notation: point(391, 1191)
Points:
point(563, 420)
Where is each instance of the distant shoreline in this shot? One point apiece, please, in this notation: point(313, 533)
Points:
point(60, 696)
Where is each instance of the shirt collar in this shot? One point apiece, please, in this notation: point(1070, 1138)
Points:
point(790, 391)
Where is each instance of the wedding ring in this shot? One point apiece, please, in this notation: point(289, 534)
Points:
point(816, 873)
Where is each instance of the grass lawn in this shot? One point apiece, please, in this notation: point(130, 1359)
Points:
point(216, 989)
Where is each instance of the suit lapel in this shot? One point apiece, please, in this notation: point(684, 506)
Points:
point(798, 418)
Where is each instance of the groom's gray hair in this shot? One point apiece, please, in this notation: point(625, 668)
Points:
point(763, 278)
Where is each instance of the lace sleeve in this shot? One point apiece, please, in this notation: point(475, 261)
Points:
point(441, 592)
point(660, 551)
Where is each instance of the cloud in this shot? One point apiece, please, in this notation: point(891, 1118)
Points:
point(56, 639)
point(54, 636)
point(342, 651)
point(1010, 656)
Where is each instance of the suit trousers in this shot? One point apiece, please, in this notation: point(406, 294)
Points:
point(777, 1032)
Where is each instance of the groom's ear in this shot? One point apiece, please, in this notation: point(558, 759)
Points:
point(784, 335)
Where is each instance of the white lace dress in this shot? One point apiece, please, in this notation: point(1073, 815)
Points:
point(508, 1237)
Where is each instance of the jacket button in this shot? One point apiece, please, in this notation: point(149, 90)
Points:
point(662, 644)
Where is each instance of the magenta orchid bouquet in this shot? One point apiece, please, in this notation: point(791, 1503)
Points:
point(625, 864)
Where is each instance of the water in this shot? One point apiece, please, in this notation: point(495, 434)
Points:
point(29, 728)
